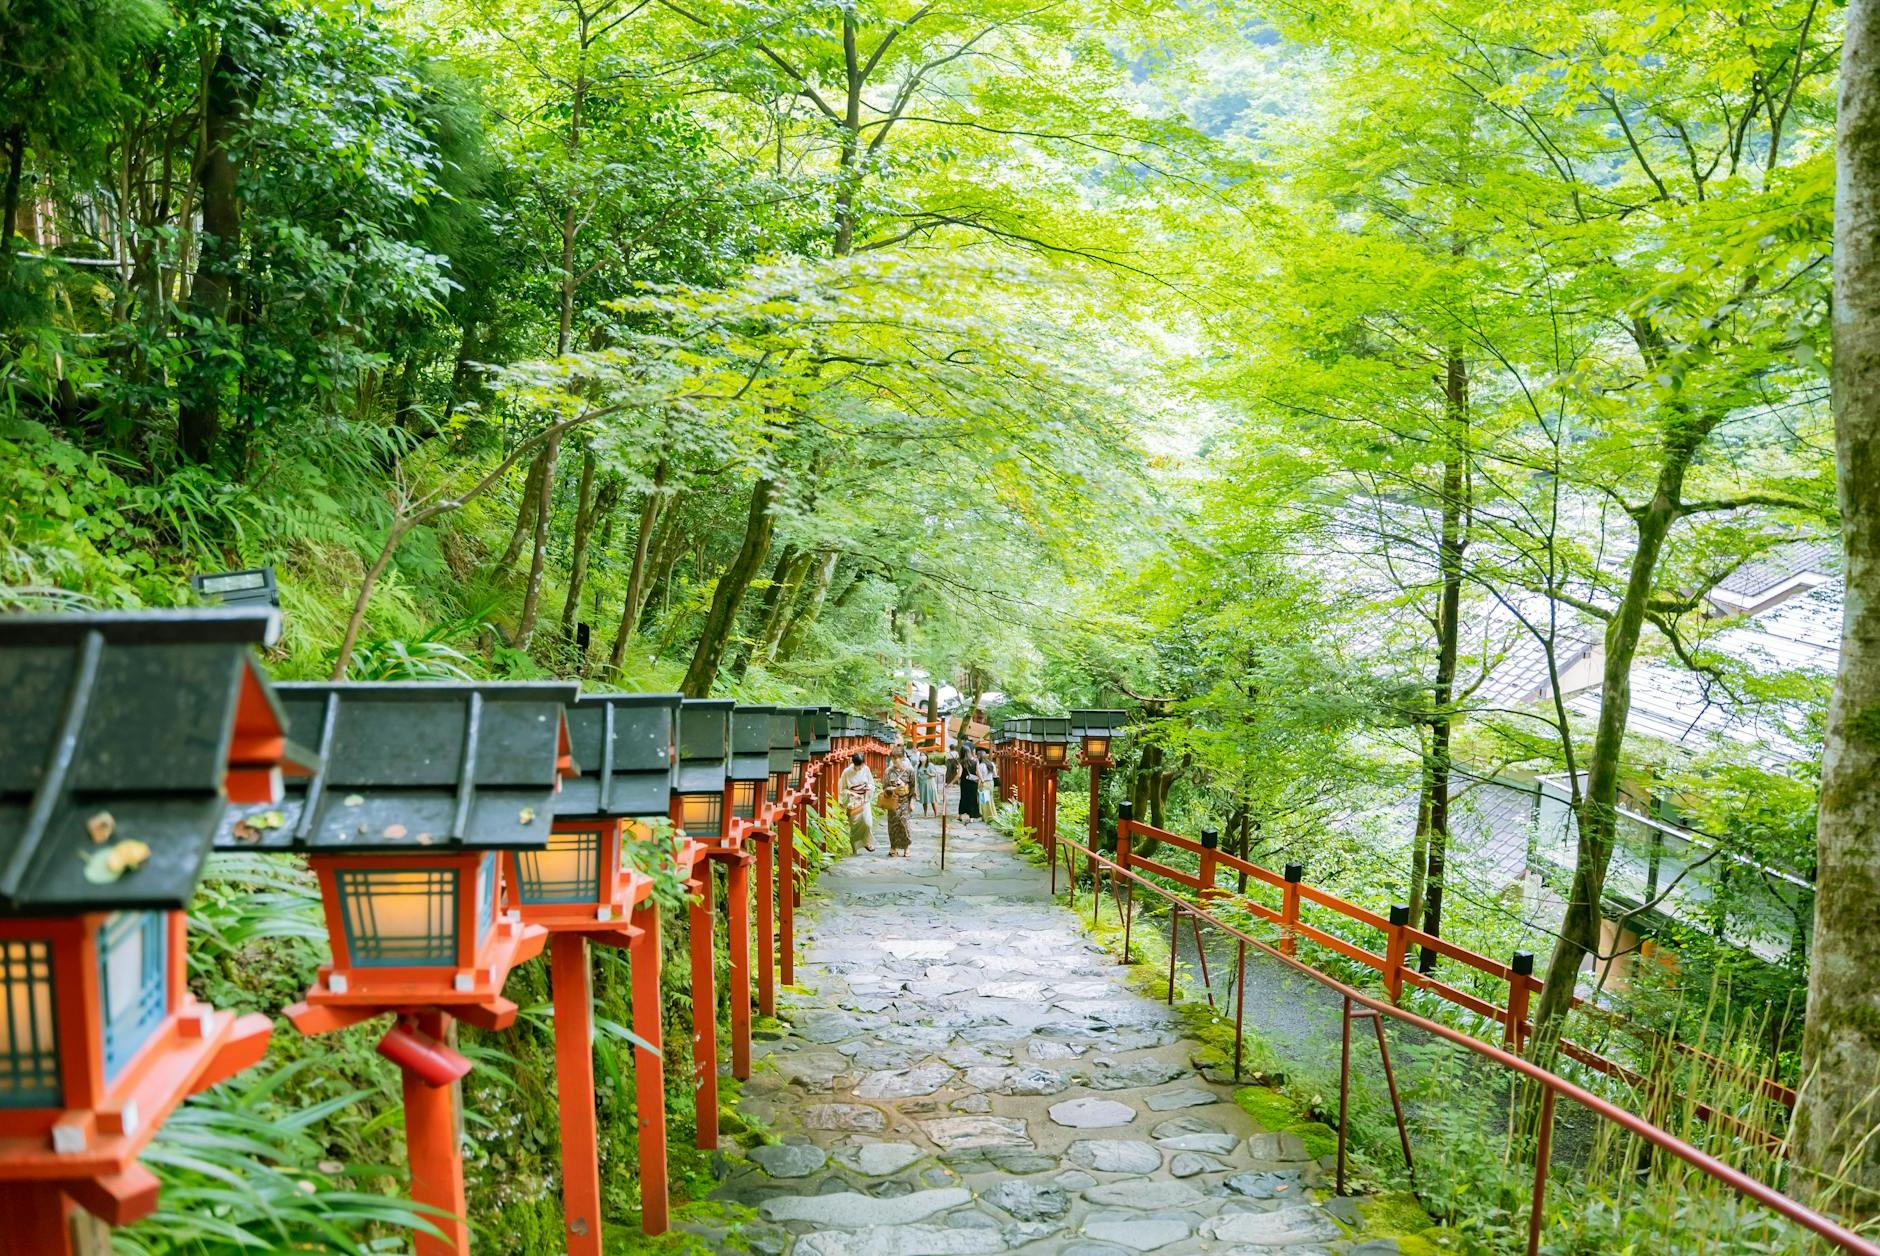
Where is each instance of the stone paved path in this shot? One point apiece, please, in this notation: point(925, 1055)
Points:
point(970, 1074)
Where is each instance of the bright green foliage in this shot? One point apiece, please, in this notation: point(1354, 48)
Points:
point(1279, 373)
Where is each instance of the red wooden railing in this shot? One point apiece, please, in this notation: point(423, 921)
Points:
point(1129, 871)
point(1398, 937)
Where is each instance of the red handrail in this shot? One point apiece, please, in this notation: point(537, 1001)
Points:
point(1553, 1083)
point(1522, 987)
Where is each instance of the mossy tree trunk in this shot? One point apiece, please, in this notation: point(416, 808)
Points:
point(1835, 1140)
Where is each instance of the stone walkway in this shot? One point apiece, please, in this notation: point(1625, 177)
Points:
point(968, 1073)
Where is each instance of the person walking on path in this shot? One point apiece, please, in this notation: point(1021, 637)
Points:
point(989, 784)
point(858, 792)
point(897, 796)
point(969, 784)
point(925, 791)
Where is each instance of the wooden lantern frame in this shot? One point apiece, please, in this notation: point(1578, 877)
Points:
point(628, 742)
point(140, 723)
point(474, 768)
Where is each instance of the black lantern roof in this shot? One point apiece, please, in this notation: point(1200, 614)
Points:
point(1052, 728)
point(624, 744)
point(783, 724)
point(704, 744)
point(409, 765)
point(807, 738)
point(253, 586)
point(1086, 722)
point(750, 742)
point(116, 728)
point(821, 726)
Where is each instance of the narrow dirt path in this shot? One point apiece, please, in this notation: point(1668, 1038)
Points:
point(966, 1072)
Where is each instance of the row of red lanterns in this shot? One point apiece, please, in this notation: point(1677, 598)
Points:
point(456, 831)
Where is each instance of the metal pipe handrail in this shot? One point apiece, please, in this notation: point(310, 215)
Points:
point(1553, 1083)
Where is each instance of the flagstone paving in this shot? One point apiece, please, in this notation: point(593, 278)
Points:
point(969, 1073)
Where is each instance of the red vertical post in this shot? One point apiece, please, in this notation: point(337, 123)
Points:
point(1048, 804)
point(704, 1013)
point(1520, 982)
point(40, 1222)
point(649, 1069)
point(786, 893)
point(767, 919)
point(434, 1147)
point(1289, 909)
point(738, 890)
point(1396, 943)
point(574, 1080)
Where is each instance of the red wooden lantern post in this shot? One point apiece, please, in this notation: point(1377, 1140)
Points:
point(812, 742)
point(1053, 748)
point(702, 809)
point(750, 775)
point(420, 789)
point(779, 763)
point(581, 889)
point(1095, 731)
point(119, 735)
point(819, 782)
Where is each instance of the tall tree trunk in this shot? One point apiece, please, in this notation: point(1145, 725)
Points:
point(460, 370)
point(538, 561)
point(1420, 843)
point(211, 296)
point(636, 575)
point(16, 160)
point(791, 639)
point(585, 513)
point(669, 546)
point(778, 607)
point(1455, 540)
point(1839, 1107)
point(404, 413)
point(722, 618)
point(1597, 812)
point(525, 515)
point(848, 171)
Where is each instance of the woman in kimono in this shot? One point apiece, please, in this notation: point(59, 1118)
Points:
point(924, 791)
point(989, 784)
point(897, 795)
point(858, 791)
point(969, 784)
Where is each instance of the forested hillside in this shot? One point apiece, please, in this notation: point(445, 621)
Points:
point(1416, 415)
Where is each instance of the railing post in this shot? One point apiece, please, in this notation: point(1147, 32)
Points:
point(1240, 1002)
point(1542, 1153)
point(1210, 845)
point(1174, 937)
point(1344, 1091)
point(1125, 816)
point(1094, 833)
point(1047, 804)
point(1520, 971)
point(1394, 947)
point(1289, 910)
